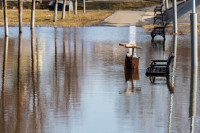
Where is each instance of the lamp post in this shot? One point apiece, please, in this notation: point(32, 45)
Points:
point(194, 39)
point(175, 27)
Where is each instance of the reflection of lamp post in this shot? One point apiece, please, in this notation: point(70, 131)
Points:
point(170, 112)
point(193, 93)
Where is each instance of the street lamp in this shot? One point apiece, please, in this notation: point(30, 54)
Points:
point(194, 39)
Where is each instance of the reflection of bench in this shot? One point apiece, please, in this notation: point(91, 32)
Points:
point(169, 85)
point(160, 30)
point(158, 9)
point(160, 67)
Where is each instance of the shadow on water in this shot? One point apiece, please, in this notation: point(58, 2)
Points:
point(68, 79)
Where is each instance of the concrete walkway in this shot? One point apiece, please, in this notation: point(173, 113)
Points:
point(128, 18)
point(145, 16)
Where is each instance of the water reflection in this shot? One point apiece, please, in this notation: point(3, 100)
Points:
point(156, 43)
point(69, 79)
point(5, 56)
point(131, 76)
point(193, 97)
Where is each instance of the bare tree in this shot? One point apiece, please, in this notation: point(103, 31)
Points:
point(75, 12)
point(63, 10)
point(33, 15)
point(5, 17)
point(69, 8)
point(84, 6)
point(20, 6)
point(55, 11)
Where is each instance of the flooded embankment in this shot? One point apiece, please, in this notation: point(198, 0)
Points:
point(72, 80)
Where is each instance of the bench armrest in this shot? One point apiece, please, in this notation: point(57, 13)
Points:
point(164, 65)
point(159, 60)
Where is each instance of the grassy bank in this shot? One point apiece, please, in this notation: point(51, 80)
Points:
point(119, 5)
point(98, 5)
point(45, 17)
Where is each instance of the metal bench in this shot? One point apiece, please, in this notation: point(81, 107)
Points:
point(159, 67)
point(44, 4)
point(159, 30)
point(161, 16)
point(158, 9)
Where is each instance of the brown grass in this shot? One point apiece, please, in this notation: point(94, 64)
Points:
point(45, 18)
point(183, 29)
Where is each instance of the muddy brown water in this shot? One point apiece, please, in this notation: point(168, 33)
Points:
point(72, 80)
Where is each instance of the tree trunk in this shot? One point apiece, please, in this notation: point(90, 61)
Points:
point(84, 6)
point(20, 6)
point(55, 11)
point(75, 12)
point(63, 10)
point(69, 8)
point(5, 17)
point(33, 14)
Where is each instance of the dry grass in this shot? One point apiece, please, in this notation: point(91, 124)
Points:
point(183, 29)
point(45, 18)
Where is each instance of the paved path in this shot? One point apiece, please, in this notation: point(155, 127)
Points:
point(145, 16)
point(127, 18)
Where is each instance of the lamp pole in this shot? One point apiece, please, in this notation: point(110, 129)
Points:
point(194, 37)
point(175, 27)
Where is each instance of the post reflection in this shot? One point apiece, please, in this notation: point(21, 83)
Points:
point(56, 71)
point(34, 80)
point(5, 56)
point(131, 76)
point(18, 84)
point(193, 97)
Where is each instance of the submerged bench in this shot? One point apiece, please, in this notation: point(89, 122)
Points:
point(160, 67)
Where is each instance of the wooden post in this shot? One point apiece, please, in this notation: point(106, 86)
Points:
point(63, 10)
point(20, 6)
point(55, 11)
point(84, 6)
point(75, 12)
point(33, 14)
point(5, 17)
point(69, 8)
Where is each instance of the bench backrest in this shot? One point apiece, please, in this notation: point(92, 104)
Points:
point(171, 56)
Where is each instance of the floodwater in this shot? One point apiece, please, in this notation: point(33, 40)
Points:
point(72, 80)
